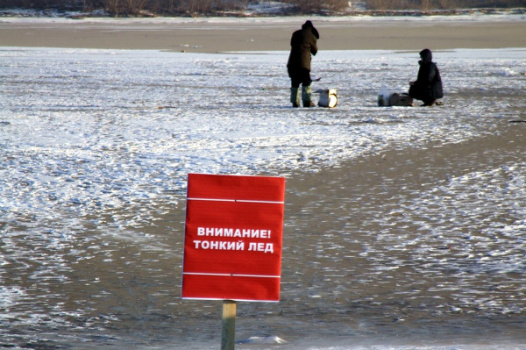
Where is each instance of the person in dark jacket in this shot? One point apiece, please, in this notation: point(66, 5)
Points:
point(428, 85)
point(303, 44)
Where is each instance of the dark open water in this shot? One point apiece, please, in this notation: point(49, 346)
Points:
point(373, 256)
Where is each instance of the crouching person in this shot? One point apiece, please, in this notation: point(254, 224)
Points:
point(303, 44)
point(428, 85)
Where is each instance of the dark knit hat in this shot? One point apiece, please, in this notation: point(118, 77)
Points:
point(309, 25)
point(426, 55)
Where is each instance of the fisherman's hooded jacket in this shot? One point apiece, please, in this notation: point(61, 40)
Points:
point(303, 43)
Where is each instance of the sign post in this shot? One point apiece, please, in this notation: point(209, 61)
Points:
point(228, 329)
point(233, 241)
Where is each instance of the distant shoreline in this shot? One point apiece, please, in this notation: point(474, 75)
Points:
point(262, 13)
point(212, 35)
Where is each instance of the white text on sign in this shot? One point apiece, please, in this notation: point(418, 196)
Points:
point(218, 245)
point(231, 232)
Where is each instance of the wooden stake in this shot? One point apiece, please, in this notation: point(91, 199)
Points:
point(228, 332)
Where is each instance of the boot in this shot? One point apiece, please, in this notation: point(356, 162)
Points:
point(295, 97)
point(306, 96)
point(428, 103)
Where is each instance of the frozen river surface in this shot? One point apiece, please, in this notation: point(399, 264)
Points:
point(95, 147)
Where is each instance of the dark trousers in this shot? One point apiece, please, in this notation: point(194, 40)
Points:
point(299, 76)
point(422, 93)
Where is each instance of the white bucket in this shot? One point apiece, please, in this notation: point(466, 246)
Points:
point(328, 98)
point(383, 96)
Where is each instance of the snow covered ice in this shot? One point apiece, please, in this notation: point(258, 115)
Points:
point(104, 139)
point(91, 131)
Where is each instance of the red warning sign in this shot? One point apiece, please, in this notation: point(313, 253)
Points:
point(233, 237)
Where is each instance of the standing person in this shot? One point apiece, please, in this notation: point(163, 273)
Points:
point(428, 85)
point(303, 44)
